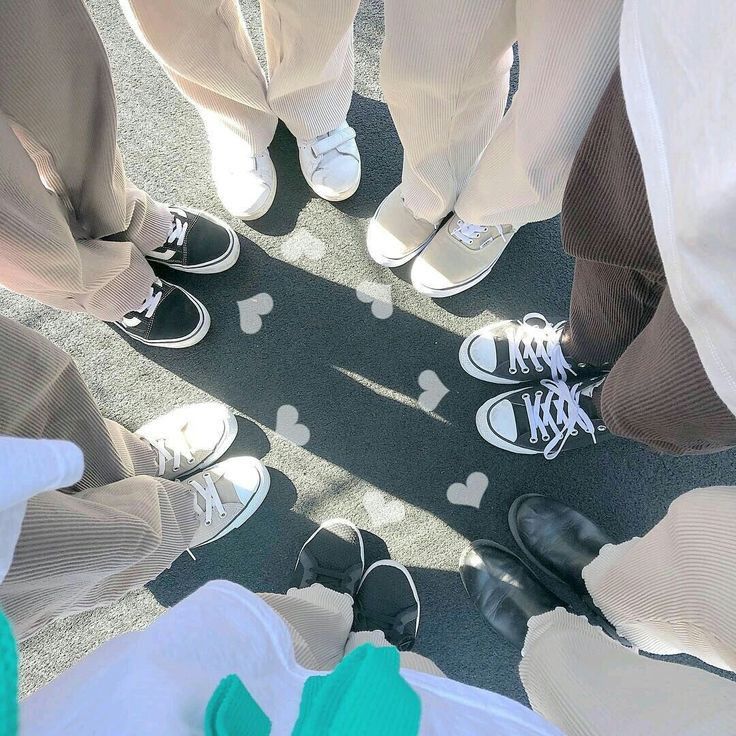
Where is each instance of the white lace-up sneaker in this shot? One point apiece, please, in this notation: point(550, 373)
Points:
point(226, 495)
point(459, 256)
point(543, 418)
point(190, 438)
point(331, 163)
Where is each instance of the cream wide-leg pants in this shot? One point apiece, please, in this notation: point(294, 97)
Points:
point(204, 47)
point(63, 188)
point(319, 621)
point(445, 74)
point(672, 591)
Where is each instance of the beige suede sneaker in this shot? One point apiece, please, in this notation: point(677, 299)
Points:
point(226, 495)
point(395, 236)
point(459, 256)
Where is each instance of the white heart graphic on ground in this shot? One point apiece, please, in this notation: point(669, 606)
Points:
point(469, 493)
point(251, 311)
point(378, 296)
point(434, 390)
point(381, 511)
point(287, 425)
point(303, 243)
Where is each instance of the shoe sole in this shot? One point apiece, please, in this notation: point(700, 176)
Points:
point(483, 424)
point(474, 370)
point(254, 503)
point(407, 575)
point(194, 337)
point(324, 525)
point(223, 263)
point(382, 260)
point(457, 289)
point(329, 195)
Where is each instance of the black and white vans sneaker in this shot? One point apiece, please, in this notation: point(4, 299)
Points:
point(197, 242)
point(520, 351)
point(543, 419)
point(333, 556)
point(387, 601)
point(169, 318)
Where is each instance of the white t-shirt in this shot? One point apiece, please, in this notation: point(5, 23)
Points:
point(28, 467)
point(159, 681)
point(678, 71)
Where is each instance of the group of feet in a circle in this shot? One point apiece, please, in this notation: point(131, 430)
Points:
point(560, 411)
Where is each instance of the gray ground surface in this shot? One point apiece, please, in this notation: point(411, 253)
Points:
point(352, 377)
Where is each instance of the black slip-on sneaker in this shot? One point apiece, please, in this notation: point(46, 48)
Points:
point(197, 242)
point(169, 318)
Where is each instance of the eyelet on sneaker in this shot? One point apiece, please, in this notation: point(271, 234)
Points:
point(574, 432)
point(525, 370)
point(583, 365)
point(192, 461)
point(176, 467)
point(540, 369)
point(512, 371)
point(602, 428)
point(533, 440)
point(525, 396)
point(208, 523)
point(537, 393)
point(223, 514)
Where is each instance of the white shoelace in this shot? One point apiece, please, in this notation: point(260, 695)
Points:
point(171, 450)
point(468, 233)
point(208, 492)
point(568, 416)
point(178, 227)
point(529, 342)
point(149, 306)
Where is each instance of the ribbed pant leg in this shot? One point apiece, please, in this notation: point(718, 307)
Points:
point(445, 75)
point(673, 590)
point(319, 620)
point(204, 47)
point(409, 660)
point(658, 392)
point(79, 551)
point(606, 226)
point(57, 131)
point(589, 685)
point(42, 395)
point(567, 52)
point(309, 46)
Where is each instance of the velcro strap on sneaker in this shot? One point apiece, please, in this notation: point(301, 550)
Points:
point(333, 141)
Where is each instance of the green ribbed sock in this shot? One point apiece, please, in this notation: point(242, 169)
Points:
point(364, 695)
point(8, 680)
point(232, 711)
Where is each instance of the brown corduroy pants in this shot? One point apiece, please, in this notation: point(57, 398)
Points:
point(117, 529)
point(62, 184)
point(621, 310)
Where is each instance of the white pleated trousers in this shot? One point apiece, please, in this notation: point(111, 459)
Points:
point(672, 591)
point(445, 74)
point(205, 48)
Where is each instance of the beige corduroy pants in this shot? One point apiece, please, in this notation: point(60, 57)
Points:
point(62, 184)
point(204, 47)
point(672, 591)
point(117, 529)
point(445, 74)
point(320, 619)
